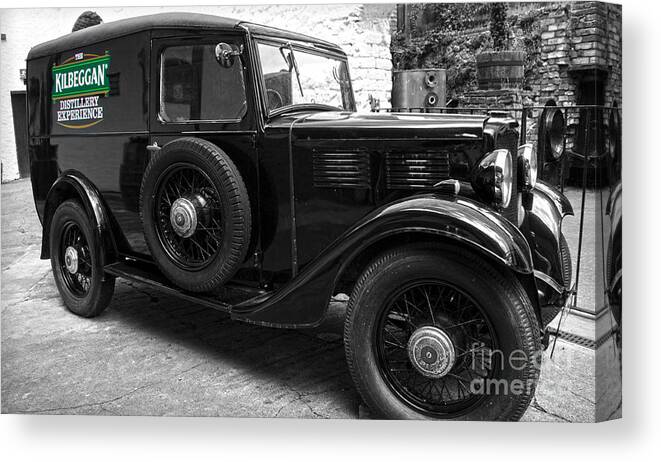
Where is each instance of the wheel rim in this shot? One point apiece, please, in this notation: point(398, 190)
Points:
point(75, 260)
point(432, 341)
point(188, 216)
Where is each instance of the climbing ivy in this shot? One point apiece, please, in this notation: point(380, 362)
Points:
point(527, 36)
point(446, 36)
point(498, 26)
point(449, 36)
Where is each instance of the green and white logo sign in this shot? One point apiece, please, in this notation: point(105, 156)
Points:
point(78, 84)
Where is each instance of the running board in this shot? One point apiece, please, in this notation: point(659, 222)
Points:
point(148, 274)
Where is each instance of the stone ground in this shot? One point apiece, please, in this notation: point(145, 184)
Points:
point(153, 354)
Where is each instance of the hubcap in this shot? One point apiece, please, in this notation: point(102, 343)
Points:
point(71, 259)
point(431, 352)
point(183, 217)
point(75, 261)
point(188, 216)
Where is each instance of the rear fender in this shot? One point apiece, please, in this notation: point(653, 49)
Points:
point(304, 300)
point(73, 185)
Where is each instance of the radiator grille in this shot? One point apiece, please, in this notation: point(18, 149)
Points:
point(410, 170)
point(350, 169)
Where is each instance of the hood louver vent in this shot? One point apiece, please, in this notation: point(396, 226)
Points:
point(411, 170)
point(349, 169)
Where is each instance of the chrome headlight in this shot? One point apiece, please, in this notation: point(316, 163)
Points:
point(527, 166)
point(493, 178)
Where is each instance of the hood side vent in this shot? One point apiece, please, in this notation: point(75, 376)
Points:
point(341, 169)
point(416, 170)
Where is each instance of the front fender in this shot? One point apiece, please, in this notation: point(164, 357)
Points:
point(555, 197)
point(454, 218)
point(544, 225)
point(303, 301)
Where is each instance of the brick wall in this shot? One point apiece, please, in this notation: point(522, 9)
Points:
point(566, 43)
point(363, 31)
point(563, 41)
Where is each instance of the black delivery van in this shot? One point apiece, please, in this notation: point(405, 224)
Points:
point(224, 162)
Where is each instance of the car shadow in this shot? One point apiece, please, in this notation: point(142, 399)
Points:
point(309, 363)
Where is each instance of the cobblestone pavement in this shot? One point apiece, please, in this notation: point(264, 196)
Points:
point(153, 354)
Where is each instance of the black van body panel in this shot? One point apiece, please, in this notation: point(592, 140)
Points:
point(114, 162)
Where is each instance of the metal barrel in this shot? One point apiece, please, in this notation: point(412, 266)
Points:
point(418, 88)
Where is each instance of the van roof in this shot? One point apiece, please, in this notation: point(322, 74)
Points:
point(176, 20)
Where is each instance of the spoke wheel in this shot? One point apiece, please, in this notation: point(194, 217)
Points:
point(430, 332)
point(196, 214)
point(75, 260)
point(75, 250)
point(432, 342)
point(188, 216)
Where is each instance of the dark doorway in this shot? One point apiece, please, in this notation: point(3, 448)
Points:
point(19, 112)
point(589, 147)
point(591, 93)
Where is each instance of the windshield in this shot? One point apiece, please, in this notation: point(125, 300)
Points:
point(295, 76)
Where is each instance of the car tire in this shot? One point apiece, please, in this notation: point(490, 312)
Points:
point(77, 268)
point(500, 303)
point(214, 206)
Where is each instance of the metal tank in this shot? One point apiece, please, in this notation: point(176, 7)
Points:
point(418, 88)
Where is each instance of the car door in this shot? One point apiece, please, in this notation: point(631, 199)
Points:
point(193, 95)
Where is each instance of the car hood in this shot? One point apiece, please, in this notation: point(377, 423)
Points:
point(338, 125)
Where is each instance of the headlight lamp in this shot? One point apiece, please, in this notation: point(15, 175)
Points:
point(493, 178)
point(527, 166)
point(554, 133)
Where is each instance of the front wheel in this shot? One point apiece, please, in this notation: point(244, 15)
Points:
point(436, 333)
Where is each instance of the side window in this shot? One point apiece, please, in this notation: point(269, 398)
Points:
point(195, 87)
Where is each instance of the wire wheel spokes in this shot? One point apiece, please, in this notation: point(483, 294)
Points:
point(79, 282)
point(435, 306)
point(188, 182)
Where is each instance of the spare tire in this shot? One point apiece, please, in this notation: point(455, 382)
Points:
point(196, 214)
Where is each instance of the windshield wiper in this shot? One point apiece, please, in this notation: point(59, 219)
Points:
point(293, 64)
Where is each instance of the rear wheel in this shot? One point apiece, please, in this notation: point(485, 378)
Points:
point(439, 334)
point(76, 264)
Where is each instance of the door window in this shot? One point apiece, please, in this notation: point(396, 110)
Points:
point(195, 87)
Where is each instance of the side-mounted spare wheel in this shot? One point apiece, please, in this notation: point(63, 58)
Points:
point(196, 214)
point(437, 333)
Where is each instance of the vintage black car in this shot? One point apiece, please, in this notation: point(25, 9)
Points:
point(224, 162)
